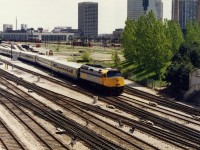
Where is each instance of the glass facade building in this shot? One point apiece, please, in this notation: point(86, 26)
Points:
point(185, 10)
point(137, 8)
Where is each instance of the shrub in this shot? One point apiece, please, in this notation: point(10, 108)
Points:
point(86, 57)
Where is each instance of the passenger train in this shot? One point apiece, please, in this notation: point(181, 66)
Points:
point(104, 79)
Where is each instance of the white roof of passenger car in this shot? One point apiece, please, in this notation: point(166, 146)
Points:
point(14, 50)
point(4, 47)
point(70, 64)
point(46, 57)
point(29, 53)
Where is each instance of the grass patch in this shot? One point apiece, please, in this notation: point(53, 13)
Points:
point(129, 70)
point(139, 74)
point(69, 48)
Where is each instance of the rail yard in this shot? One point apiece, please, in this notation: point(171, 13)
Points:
point(41, 110)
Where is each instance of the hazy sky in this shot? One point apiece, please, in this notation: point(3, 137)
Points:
point(51, 13)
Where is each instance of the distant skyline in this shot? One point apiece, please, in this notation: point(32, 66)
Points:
point(51, 13)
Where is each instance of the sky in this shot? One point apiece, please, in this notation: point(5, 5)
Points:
point(51, 13)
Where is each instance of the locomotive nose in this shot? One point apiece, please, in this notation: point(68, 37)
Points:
point(119, 81)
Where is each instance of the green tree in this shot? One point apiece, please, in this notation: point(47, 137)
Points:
point(116, 58)
point(175, 35)
point(183, 62)
point(195, 55)
point(178, 74)
point(141, 40)
point(151, 42)
point(86, 57)
point(158, 45)
point(192, 33)
point(128, 40)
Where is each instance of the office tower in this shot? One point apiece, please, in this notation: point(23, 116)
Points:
point(198, 11)
point(175, 10)
point(185, 10)
point(137, 8)
point(159, 8)
point(88, 19)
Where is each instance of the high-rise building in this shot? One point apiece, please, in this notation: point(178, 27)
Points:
point(198, 11)
point(159, 8)
point(88, 19)
point(137, 8)
point(185, 10)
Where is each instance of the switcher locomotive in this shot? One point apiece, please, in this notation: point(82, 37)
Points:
point(105, 79)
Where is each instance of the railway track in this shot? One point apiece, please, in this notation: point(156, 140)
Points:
point(175, 137)
point(162, 101)
point(47, 140)
point(132, 91)
point(143, 105)
point(8, 139)
point(189, 133)
point(119, 136)
point(91, 138)
point(64, 83)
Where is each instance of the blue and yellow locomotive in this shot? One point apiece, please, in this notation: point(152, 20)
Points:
point(105, 79)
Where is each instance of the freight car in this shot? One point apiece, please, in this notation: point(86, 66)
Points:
point(107, 80)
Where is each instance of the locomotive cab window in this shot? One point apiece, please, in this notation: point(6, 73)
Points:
point(104, 75)
point(114, 74)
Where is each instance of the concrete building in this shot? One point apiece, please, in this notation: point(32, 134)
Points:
point(88, 19)
point(117, 35)
point(137, 8)
point(24, 26)
point(185, 10)
point(194, 87)
point(35, 35)
point(61, 28)
point(194, 80)
point(7, 27)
